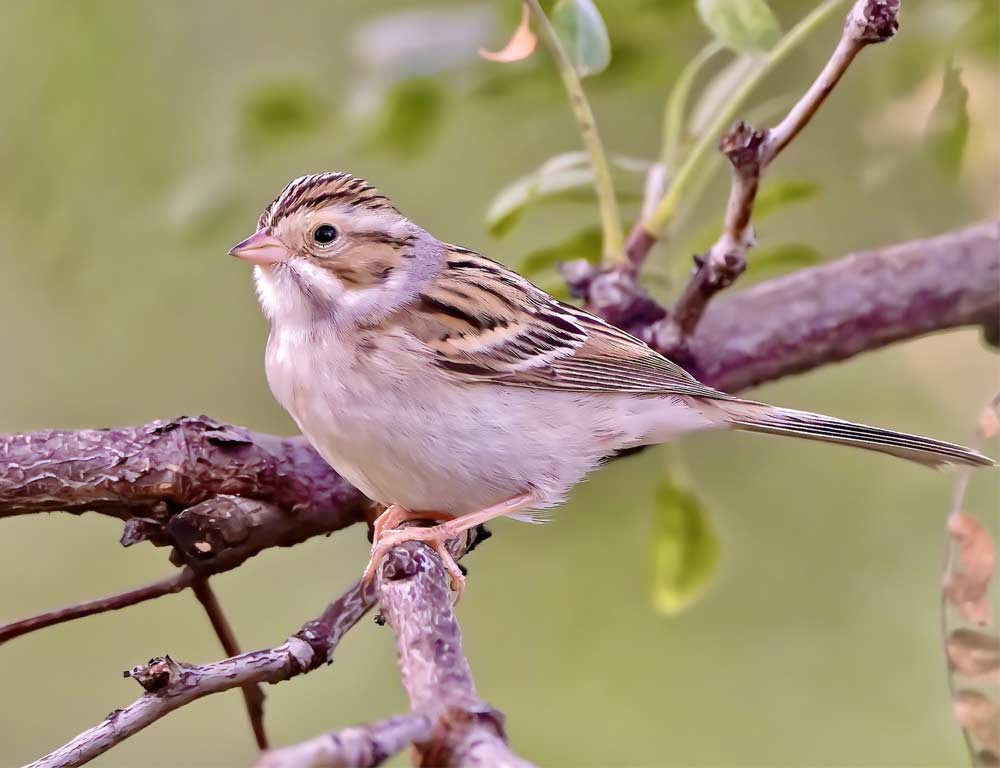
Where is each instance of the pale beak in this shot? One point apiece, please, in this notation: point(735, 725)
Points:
point(261, 248)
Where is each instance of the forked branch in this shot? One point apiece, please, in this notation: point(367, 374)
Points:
point(750, 151)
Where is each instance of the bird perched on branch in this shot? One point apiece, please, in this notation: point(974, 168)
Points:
point(448, 387)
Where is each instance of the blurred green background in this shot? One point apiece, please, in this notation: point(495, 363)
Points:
point(140, 140)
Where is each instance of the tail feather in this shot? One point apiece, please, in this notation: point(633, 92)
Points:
point(757, 417)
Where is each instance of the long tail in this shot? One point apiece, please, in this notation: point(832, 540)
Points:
point(758, 417)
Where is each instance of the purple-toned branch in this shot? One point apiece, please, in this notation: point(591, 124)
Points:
point(358, 747)
point(253, 695)
point(170, 685)
point(750, 151)
point(176, 582)
point(218, 493)
point(416, 601)
point(859, 303)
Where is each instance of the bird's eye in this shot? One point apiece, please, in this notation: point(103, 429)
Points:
point(325, 234)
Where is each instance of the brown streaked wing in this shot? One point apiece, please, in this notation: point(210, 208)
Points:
point(487, 323)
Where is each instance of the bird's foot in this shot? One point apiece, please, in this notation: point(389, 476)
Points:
point(386, 535)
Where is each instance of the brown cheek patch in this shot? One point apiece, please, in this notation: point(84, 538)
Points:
point(364, 267)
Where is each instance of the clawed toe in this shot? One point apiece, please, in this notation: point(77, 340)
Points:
point(435, 537)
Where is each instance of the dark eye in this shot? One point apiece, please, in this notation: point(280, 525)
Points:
point(325, 234)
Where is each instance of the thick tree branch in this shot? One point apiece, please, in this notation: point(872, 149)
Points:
point(149, 472)
point(832, 312)
point(416, 601)
point(219, 493)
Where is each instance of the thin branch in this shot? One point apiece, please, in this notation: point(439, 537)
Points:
point(751, 151)
point(655, 224)
point(175, 582)
point(170, 685)
point(358, 747)
point(611, 223)
point(253, 695)
point(416, 601)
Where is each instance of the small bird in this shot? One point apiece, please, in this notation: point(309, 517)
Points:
point(448, 387)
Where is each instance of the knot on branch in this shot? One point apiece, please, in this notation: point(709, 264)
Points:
point(721, 271)
point(873, 21)
point(453, 728)
point(206, 531)
point(157, 674)
point(743, 147)
point(614, 294)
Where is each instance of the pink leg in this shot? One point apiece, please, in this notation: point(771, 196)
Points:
point(393, 515)
point(437, 536)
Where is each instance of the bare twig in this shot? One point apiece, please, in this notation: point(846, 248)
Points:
point(751, 151)
point(685, 177)
point(253, 695)
point(358, 747)
point(170, 685)
point(176, 582)
point(416, 601)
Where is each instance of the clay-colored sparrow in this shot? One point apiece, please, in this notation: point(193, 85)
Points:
point(446, 386)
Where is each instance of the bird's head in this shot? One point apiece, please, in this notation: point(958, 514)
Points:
point(330, 245)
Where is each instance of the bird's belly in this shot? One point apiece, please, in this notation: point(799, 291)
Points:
point(449, 451)
point(425, 442)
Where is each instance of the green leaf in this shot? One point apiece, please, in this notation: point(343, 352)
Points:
point(786, 257)
point(948, 127)
point(565, 177)
point(281, 112)
point(741, 25)
point(585, 244)
point(581, 30)
point(720, 90)
point(685, 549)
point(778, 193)
point(508, 206)
point(411, 114)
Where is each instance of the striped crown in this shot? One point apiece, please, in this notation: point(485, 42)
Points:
point(320, 189)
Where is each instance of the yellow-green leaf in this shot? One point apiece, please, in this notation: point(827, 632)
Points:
point(777, 193)
point(581, 30)
point(685, 549)
point(282, 111)
point(562, 184)
point(564, 177)
point(411, 115)
point(741, 25)
point(948, 127)
point(785, 257)
point(585, 244)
